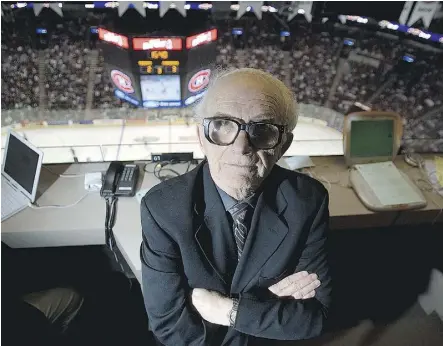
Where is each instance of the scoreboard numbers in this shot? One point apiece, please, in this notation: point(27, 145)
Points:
point(159, 55)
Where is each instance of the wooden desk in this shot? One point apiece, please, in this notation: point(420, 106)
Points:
point(83, 224)
point(347, 211)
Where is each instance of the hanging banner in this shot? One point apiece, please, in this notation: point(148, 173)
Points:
point(56, 8)
point(164, 7)
point(38, 6)
point(301, 7)
point(255, 6)
point(124, 5)
point(425, 11)
point(138, 5)
point(405, 12)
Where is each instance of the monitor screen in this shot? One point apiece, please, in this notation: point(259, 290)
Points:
point(160, 88)
point(372, 138)
point(21, 163)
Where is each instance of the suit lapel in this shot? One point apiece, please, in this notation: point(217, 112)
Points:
point(266, 233)
point(214, 235)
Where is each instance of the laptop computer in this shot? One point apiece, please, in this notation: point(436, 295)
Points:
point(371, 142)
point(21, 167)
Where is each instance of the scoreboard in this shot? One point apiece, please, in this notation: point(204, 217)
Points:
point(159, 62)
point(158, 56)
point(159, 71)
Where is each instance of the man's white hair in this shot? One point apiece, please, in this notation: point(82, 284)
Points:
point(289, 108)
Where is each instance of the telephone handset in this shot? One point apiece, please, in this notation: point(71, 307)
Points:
point(120, 180)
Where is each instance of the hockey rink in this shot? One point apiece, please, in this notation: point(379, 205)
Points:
point(129, 142)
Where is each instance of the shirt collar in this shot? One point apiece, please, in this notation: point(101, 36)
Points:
point(229, 201)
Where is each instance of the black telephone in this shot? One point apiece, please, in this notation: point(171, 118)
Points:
point(120, 180)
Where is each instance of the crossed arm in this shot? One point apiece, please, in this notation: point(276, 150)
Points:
point(297, 311)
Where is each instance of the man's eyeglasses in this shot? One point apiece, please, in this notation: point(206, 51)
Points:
point(261, 135)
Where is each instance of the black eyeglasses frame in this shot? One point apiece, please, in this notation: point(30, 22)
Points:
point(243, 127)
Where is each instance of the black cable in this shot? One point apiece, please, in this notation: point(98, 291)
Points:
point(111, 208)
point(108, 211)
point(146, 166)
point(160, 167)
point(111, 213)
point(189, 165)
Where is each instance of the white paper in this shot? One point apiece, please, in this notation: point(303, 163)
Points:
point(431, 171)
point(93, 181)
point(282, 163)
point(388, 184)
point(297, 162)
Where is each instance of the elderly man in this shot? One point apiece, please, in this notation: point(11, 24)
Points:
point(234, 251)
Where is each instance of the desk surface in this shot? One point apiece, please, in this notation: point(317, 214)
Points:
point(83, 224)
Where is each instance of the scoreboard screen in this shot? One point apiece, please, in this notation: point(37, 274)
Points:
point(161, 91)
point(157, 43)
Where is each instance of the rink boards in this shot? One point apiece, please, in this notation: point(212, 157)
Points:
point(130, 140)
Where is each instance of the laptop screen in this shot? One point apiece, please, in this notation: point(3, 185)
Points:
point(372, 138)
point(21, 163)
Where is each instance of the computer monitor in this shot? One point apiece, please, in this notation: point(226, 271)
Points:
point(22, 163)
point(371, 137)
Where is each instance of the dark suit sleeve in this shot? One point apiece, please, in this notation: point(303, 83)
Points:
point(166, 294)
point(290, 319)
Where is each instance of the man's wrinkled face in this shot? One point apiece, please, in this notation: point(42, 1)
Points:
point(240, 168)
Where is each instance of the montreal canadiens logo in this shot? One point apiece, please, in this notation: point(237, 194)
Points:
point(199, 81)
point(122, 81)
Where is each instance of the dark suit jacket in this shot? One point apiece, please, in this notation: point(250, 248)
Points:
point(188, 243)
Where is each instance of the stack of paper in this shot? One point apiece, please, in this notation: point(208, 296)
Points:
point(388, 184)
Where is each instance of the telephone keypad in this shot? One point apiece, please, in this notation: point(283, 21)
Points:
point(128, 180)
point(127, 174)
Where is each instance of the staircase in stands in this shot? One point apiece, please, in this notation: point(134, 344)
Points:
point(43, 96)
point(93, 61)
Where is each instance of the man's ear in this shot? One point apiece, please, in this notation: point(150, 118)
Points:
point(200, 139)
point(287, 143)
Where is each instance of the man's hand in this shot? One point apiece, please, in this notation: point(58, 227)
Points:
point(300, 285)
point(212, 306)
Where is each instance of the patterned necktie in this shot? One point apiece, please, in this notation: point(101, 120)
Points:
point(239, 212)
